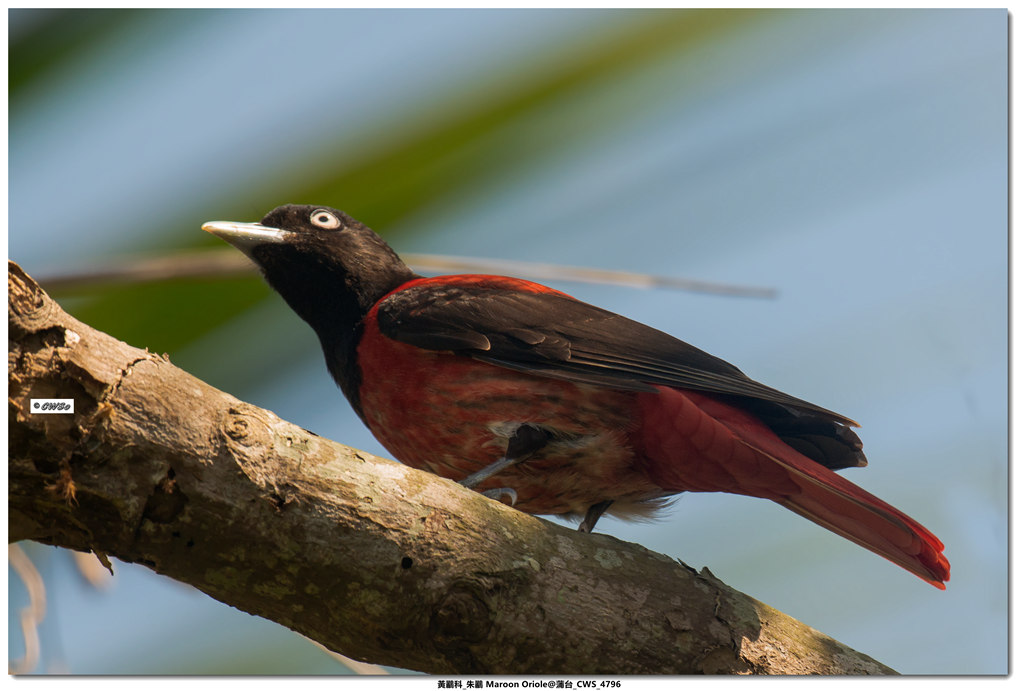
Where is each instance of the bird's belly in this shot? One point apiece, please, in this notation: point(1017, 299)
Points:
point(453, 415)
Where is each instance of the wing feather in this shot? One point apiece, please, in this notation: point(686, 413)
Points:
point(551, 334)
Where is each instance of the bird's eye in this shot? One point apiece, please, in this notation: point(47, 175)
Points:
point(324, 219)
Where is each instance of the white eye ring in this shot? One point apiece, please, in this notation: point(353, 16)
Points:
point(322, 218)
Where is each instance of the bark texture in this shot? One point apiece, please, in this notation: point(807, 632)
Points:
point(375, 560)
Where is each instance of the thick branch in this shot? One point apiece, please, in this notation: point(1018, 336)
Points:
point(373, 559)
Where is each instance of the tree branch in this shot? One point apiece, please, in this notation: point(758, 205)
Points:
point(372, 559)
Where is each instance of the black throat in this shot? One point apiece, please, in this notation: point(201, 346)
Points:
point(333, 291)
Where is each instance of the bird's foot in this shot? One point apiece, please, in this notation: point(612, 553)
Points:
point(485, 473)
point(593, 513)
point(501, 494)
point(524, 442)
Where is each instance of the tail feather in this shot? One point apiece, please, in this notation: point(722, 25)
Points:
point(835, 503)
point(768, 467)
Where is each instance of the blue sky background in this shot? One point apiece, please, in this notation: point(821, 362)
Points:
point(856, 161)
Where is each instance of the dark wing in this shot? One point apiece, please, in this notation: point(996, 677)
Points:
point(524, 327)
point(554, 335)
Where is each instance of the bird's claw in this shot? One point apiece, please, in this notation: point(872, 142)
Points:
point(593, 513)
point(502, 493)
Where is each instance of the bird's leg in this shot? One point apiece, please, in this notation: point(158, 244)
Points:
point(522, 445)
point(594, 513)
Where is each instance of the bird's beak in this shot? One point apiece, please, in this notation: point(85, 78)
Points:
point(246, 236)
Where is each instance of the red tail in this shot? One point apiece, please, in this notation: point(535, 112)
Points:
point(735, 452)
point(834, 502)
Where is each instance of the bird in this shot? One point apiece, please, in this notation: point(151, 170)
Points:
point(554, 405)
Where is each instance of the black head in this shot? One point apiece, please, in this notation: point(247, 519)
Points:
point(328, 266)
